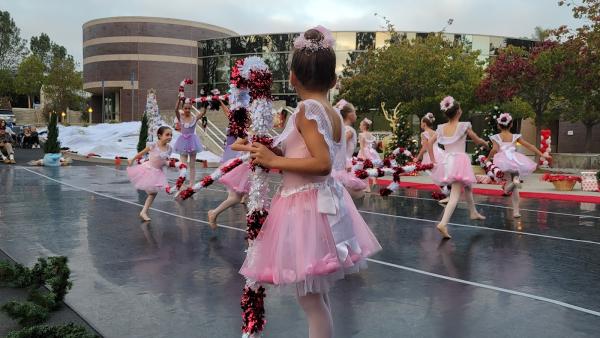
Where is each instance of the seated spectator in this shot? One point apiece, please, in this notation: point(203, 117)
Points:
point(6, 140)
point(35, 137)
point(27, 138)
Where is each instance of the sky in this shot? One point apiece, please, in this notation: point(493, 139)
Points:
point(62, 19)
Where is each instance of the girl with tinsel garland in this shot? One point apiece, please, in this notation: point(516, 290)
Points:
point(367, 143)
point(228, 152)
point(506, 158)
point(150, 175)
point(427, 122)
point(188, 143)
point(237, 183)
point(355, 186)
point(296, 246)
point(454, 166)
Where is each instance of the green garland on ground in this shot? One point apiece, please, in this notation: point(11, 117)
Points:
point(54, 273)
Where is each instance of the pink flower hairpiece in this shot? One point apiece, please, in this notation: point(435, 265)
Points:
point(504, 119)
point(447, 103)
point(341, 104)
point(367, 121)
point(429, 116)
point(327, 42)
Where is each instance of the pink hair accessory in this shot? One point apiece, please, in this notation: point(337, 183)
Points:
point(341, 104)
point(429, 116)
point(367, 121)
point(328, 41)
point(447, 103)
point(504, 119)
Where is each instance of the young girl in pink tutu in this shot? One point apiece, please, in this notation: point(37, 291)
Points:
point(150, 175)
point(454, 165)
point(355, 186)
point(506, 158)
point(427, 134)
point(188, 143)
point(236, 181)
point(367, 150)
point(313, 234)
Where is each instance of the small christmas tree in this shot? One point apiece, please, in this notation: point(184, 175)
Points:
point(143, 134)
point(402, 135)
point(491, 128)
point(52, 146)
point(153, 115)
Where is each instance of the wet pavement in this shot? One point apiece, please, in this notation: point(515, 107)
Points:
point(174, 277)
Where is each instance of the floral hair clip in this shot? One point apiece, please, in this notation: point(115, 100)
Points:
point(504, 119)
point(447, 103)
point(367, 121)
point(341, 104)
point(429, 116)
point(327, 42)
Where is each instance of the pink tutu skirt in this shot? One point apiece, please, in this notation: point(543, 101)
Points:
point(238, 179)
point(523, 165)
point(453, 167)
point(295, 247)
point(362, 244)
point(349, 181)
point(146, 177)
point(369, 154)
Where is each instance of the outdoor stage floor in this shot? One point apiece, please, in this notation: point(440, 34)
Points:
point(174, 277)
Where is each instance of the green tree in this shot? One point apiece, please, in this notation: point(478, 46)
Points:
point(416, 73)
point(7, 82)
point(63, 85)
point(143, 133)
point(533, 76)
point(581, 87)
point(12, 47)
point(52, 145)
point(30, 77)
point(42, 47)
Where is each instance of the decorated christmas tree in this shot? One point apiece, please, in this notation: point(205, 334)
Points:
point(402, 134)
point(143, 134)
point(52, 145)
point(153, 115)
point(490, 129)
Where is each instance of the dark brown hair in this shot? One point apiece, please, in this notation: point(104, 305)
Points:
point(315, 69)
point(450, 113)
point(427, 121)
point(347, 109)
point(161, 130)
point(503, 127)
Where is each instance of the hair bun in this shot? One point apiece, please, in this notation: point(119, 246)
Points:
point(430, 117)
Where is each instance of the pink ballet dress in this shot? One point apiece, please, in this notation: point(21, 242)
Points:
point(438, 152)
point(188, 142)
point(313, 235)
point(454, 164)
point(344, 176)
point(150, 175)
point(509, 160)
point(368, 152)
point(237, 179)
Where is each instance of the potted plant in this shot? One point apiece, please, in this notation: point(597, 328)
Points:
point(562, 182)
point(52, 145)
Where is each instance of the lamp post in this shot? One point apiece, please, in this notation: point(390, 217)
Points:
point(90, 111)
point(63, 114)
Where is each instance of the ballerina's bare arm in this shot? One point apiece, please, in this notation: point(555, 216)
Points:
point(318, 164)
point(473, 136)
point(424, 147)
point(241, 144)
point(177, 109)
point(430, 151)
point(225, 108)
point(138, 155)
point(532, 148)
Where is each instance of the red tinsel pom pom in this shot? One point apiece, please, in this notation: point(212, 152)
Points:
point(362, 174)
point(367, 164)
point(255, 221)
point(187, 193)
point(253, 310)
point(180, 181)
point(206, 181)
point(385, 192)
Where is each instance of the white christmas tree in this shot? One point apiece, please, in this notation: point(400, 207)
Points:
point(154, 118)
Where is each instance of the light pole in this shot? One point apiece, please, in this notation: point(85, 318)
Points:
point(90, 111)
point(132, 92)
point(103, 101)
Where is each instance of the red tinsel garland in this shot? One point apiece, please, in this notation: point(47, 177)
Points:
point(239, 122)
point(236, 78)
point(253, 310)
point(367, 164)
point(255, 221)
point(266, 141)
point(560, 177)
point(260, 84)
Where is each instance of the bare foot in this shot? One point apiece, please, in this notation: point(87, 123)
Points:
point(444, 231)
point(477, 215)
point(212, 219)
point(444, 201)
point(144, 217)
point(516, 215)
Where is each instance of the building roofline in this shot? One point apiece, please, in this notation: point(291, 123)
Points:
point(154, 19)
point(382, 31)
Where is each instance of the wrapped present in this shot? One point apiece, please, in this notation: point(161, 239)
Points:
point(589, 182)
